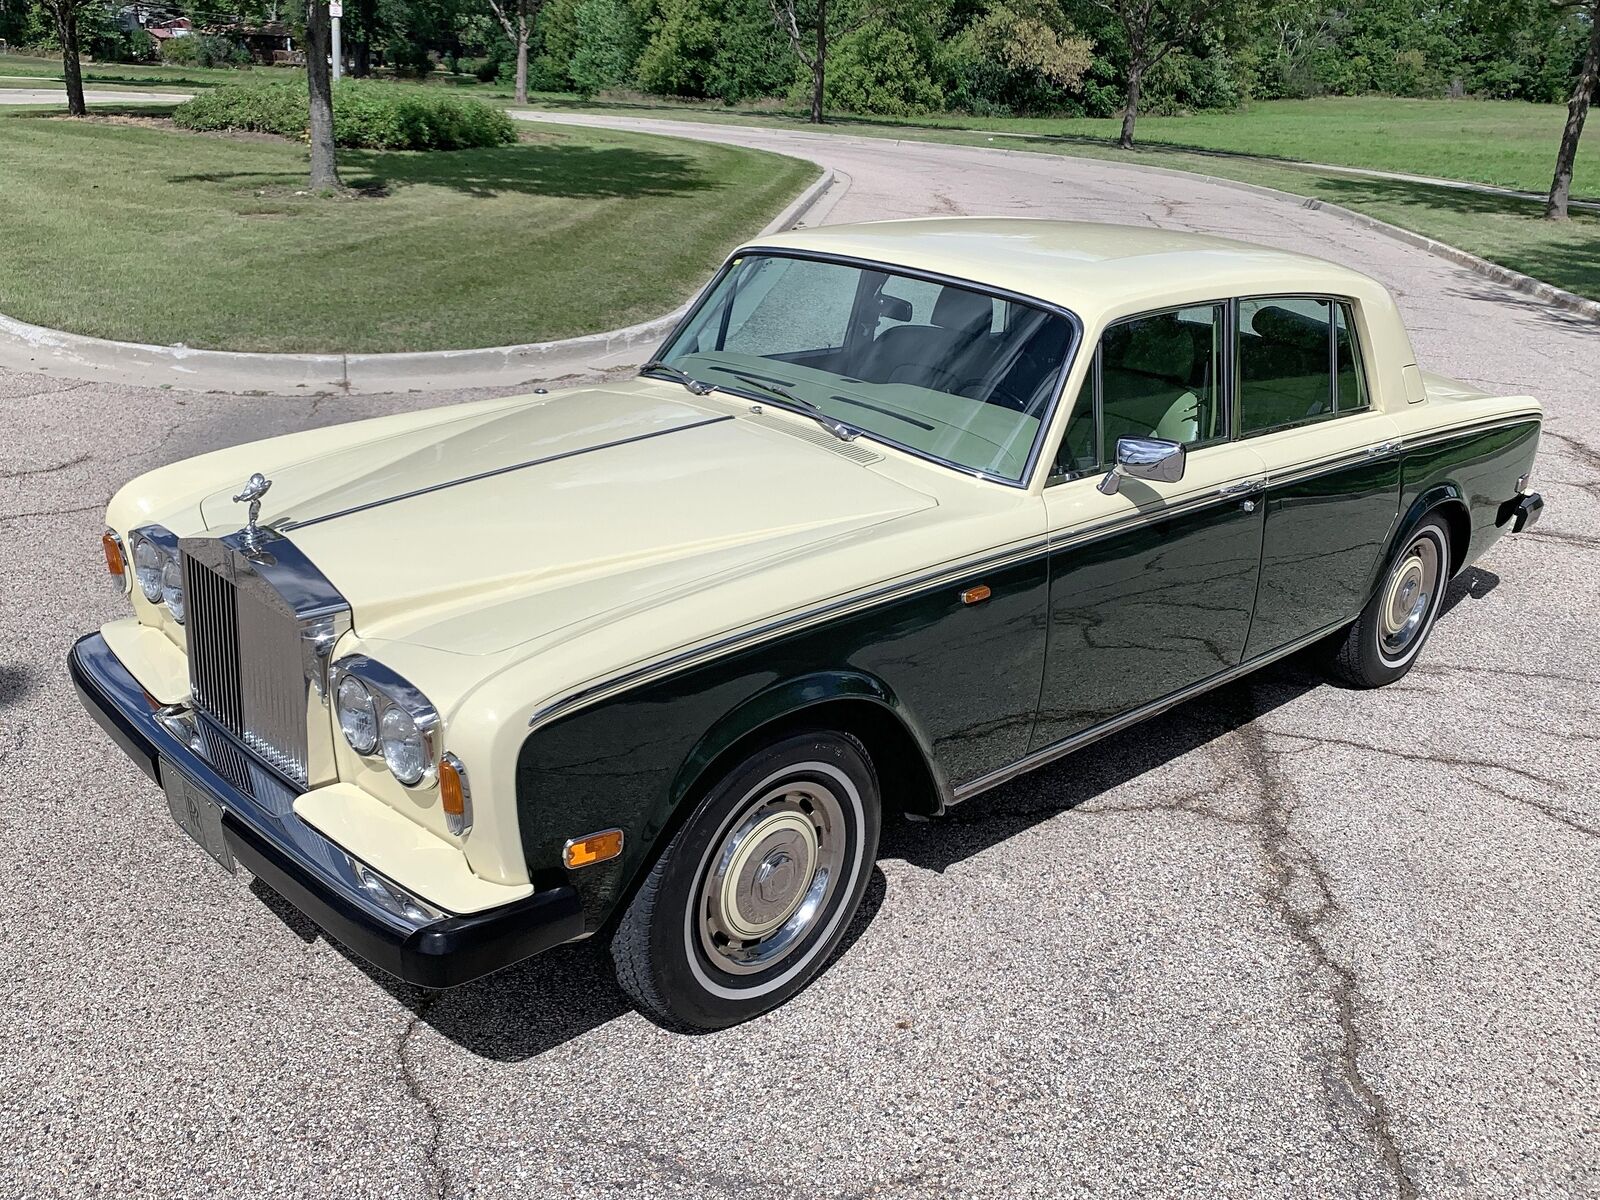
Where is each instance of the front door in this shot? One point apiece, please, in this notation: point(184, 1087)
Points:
point(1151, 589)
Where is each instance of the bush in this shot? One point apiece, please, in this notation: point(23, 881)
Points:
point(203, 50)
point(366, 116)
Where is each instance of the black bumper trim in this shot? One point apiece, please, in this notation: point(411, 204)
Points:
point(439, 954)
point(444, 954)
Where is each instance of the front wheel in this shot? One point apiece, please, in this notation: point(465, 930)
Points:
point(754, 893)
point(1385, 640)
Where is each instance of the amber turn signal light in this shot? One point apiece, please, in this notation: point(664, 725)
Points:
point(597, 847)
point(112, 545)
point(455, 796)
point(976, 595)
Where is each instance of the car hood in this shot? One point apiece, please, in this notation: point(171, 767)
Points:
point(479, 533)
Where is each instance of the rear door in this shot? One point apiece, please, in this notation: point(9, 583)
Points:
point(1333, 475)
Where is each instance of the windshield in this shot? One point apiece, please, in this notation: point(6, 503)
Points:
point(942, 370)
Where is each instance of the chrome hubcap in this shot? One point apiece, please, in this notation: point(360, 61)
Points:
point(1410, 596)
point(771, 876)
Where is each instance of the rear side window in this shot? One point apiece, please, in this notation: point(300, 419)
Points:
point(1298, 362)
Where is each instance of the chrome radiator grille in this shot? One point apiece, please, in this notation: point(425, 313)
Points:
point(255, 663)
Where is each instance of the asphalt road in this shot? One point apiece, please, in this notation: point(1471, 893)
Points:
point(1288, 940)
point(54, 95)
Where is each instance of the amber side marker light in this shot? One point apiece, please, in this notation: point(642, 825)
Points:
point(596, 848)
point(455, 796)
point(112, 545)
point(976, 595)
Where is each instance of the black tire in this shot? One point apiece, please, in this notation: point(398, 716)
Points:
point(739, 863)
point(1385, 640)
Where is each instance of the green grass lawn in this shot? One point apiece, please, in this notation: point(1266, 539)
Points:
point(156, 235)
point(1404, 135)
point(21, 70)
point(1498, 142)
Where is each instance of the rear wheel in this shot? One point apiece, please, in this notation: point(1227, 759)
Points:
point(1385, 640)
point(754, 893)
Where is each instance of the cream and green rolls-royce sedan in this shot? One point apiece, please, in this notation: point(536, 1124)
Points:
point(897, 512)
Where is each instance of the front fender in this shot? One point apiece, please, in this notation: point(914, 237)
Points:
point(786, 704)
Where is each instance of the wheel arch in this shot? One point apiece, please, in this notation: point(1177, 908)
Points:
point(851, 702)
point(1444, 500)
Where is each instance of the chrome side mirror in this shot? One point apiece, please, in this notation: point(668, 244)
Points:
point(1155, 459)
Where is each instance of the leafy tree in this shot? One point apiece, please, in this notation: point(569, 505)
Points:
point(1017, 56)
point(727, 50)
point(1577, 110)
point(809, 26)
point(885, 67)
point(517, 18)
point(1150, 30)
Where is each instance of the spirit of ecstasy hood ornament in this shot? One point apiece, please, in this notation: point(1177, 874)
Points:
point(254, 489)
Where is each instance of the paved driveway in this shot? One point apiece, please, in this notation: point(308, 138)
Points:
point(90, 96)
point(1288, 940)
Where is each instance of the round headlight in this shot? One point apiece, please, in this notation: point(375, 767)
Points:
point(358, 715)
point(148, 562)
point(172, 588)
point(404, 750)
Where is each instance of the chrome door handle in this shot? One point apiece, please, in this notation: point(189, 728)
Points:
point(1245, 487)
point(1381, 449)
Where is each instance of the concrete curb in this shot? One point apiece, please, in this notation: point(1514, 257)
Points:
point(25, 347)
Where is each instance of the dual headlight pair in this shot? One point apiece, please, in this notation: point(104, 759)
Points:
point(158, 569)
point(382, 715)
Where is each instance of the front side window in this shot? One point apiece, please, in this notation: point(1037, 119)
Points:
point(1160, 377)
point(940, 369)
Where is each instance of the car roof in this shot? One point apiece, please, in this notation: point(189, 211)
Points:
point(1090, 268)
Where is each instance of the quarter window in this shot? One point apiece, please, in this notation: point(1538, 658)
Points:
point(1352, 384)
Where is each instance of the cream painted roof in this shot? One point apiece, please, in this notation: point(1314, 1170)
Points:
point(1084, 266)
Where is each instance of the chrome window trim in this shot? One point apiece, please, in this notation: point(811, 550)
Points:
point(1035, 452)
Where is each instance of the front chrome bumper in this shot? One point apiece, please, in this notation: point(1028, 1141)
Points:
point(263, 832)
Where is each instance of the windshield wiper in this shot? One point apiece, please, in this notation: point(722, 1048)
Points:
point(673, 373)
point(845, 433)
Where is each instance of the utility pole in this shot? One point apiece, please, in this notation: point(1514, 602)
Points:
point(335, 12)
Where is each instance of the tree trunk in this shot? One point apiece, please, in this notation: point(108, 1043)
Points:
point(1555, 207)
point(1130, 110)
point(324, 170)
point(67, 28)
point(522, 61)
point(819, 65)
point(361, 39)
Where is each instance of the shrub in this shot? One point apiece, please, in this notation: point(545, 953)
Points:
point(203, 50)
point(366, 116)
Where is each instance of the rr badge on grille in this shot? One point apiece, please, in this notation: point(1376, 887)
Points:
point(255, 488)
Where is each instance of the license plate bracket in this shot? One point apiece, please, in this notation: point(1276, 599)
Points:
point(196, 813)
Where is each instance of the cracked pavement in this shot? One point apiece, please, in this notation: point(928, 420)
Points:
point(1287, 940)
